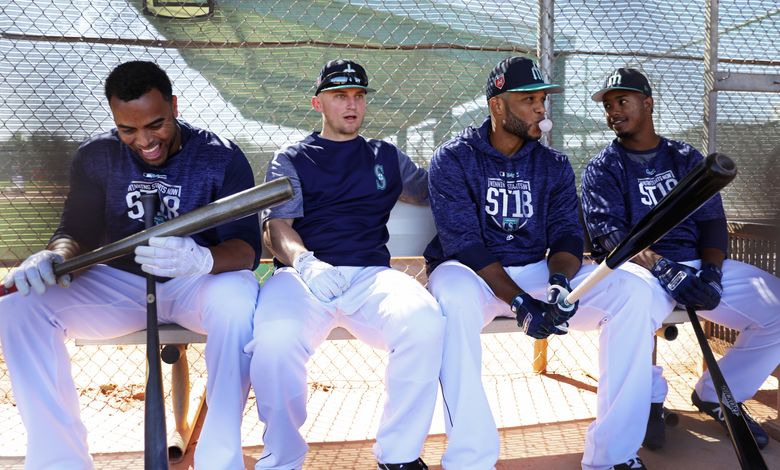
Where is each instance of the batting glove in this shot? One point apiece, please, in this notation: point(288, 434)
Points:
point(533, 319)
point(684, 285)
point(323, 279)
point(559, 310)
point(712, 276)
point(37, 271)
point(174, 257)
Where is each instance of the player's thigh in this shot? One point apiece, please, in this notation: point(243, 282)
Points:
point(101, 302)
point(286, 309)
point(464, 297)
point(628, 290)
point(395, 304)
point(751, 297)
point(201, 303)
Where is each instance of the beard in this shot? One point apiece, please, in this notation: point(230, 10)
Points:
point(516, 126)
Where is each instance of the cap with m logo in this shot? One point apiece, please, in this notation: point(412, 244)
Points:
point(517, 74)
point(624, 79)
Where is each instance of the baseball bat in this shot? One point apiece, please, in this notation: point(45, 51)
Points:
point(742, 439)
point(704, 181)
point(155, 442)
point(707, 178)
point(223, 210)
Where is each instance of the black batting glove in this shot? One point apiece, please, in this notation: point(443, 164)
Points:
point(685, 286)
point(712, 276)
point(560, 311)
point(533, 319)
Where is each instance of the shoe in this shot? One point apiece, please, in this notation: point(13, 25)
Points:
point(632, 464)
point(713, 409)
point(655, 435)
point(416, 465)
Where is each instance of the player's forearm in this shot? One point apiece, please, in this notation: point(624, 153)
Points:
point(282, 240)
point(232, 255)
point(646, 258)
point(712, 256)
point(499, 282)
point(565, 263)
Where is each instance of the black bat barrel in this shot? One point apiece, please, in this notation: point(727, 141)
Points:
point(697, 187)
point(155, 442)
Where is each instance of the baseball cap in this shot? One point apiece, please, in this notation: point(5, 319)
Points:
point(342, 73)
point(517, 74)
point(624, 79)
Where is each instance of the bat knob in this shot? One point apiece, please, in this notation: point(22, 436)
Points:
point(170, 354)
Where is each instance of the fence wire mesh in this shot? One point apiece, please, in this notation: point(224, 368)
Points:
point(245, 69)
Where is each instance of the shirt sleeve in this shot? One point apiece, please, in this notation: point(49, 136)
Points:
point(239, 177)
point(415, 181)
point(564, 231)
point(455, 212)
point(713, 208)
point(83, 213)
point(603, 205)
point(281, 166)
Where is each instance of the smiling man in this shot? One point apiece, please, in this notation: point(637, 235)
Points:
point(510, 244)
point(688, 266)
point(207, 283)
point(334, 270)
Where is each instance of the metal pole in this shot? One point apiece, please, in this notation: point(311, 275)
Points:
point(710, 73)
point(544, 51)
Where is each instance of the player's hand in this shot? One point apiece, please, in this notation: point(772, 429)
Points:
point(533, 318)
point(711, 275)
point(684, 285)
point(174, 257)
point(37, 272)
point(323, 279)
point(559, 310)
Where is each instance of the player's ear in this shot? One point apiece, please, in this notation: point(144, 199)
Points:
point(316, 103)
point(649, 104)
point(496, 105)
point(174, 107)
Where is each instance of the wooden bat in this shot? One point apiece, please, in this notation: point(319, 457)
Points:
point(155, 441)
point(223, 210)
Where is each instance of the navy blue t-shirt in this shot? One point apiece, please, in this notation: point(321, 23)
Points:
point(107, 179)
point(343, 195)
point(489, 207)
point(619, 188)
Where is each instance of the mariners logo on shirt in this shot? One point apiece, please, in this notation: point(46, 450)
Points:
point(655, 188)
point(170, 198)
point(508, 202)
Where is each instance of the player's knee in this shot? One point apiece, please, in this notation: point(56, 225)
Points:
point(276, 339)
point(425, 326)
point(229, 301)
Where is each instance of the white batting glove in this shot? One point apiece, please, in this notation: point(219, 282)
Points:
point(323, 279)
point(174, 257)
point(37, 272)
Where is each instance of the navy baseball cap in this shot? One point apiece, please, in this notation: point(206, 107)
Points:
point(517, 74)
point(342, 73)
point(624, 79)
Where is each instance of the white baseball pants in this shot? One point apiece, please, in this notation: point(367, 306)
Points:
point(751, 305)
point(383, 307)
point(619, 305)
point(105, 302)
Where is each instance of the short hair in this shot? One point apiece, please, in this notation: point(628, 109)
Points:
point(131, 80)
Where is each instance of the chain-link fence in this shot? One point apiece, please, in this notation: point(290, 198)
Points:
point(245, 69)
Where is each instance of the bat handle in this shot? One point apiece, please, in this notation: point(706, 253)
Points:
point(593, 278)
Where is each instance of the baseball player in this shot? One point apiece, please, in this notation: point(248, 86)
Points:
point(688, 265)
point(333, 269)
point(211, 288)
point(510, 243)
